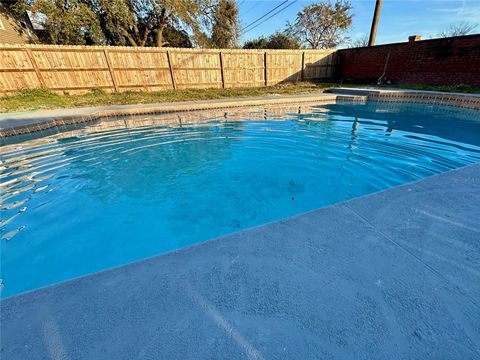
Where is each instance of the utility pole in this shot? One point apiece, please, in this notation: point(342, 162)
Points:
point(376, 17)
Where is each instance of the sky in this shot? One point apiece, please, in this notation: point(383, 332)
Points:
point(398, 19)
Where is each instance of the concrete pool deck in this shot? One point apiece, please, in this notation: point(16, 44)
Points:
point(391, 275)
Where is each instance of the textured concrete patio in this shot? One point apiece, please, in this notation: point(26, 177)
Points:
point(392, 275)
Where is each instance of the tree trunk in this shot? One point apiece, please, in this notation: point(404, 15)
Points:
point(129, 37)
point(160, 35)
point(145, 37)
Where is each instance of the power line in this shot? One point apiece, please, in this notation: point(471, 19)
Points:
point(278, 12)
point(255, 4)
point(261, 17)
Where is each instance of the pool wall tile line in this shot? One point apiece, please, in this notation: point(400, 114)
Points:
point(391, 275)
point(470, 101)
point(43, 120)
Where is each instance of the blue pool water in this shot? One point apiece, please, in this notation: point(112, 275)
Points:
point(82, 201)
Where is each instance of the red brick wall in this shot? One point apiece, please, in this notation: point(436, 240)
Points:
point(448, 61)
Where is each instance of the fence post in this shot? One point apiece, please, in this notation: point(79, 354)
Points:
point(302, 74)
point(35, 67)
point(110, 69)
point(265, 67)
point(222, 70)
point(172, 75)
point(334, 68)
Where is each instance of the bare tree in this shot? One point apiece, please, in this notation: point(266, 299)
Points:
point(322, 25)
point(360, 42)
point(459, 29)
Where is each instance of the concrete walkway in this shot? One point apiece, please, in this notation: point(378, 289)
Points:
point(392, 275)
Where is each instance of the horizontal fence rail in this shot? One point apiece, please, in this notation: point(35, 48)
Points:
point(78, 69)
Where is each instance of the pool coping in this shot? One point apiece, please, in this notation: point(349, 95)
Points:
point(29, 122)
point(462, 100)
point(392, 234)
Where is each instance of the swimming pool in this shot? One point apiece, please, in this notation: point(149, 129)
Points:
point(82, 201)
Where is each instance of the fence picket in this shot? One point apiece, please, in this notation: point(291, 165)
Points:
point(77, 69)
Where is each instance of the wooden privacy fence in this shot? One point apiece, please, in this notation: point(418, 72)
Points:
point(76, 69)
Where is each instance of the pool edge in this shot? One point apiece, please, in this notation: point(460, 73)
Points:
point(192, 247)
point(79, 317)
point(31, 122)
point(25, 123)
